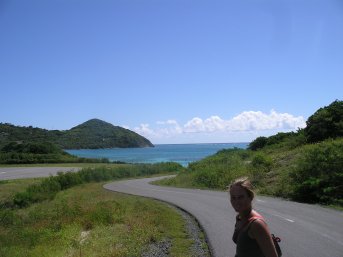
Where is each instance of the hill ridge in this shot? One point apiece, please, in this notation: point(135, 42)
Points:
point(92, 134)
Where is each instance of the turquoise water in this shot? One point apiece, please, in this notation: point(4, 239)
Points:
point(180, 153)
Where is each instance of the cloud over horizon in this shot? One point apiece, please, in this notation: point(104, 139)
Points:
point(245, 122)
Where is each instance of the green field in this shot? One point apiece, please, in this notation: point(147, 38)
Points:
point(87, 220)
point(80, 218)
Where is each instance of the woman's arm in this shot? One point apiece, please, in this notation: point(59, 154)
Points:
point(260, 232)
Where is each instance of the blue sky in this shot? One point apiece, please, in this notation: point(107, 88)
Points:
point(189, 71)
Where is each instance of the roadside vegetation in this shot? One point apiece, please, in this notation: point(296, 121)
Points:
point(49, 187)
point(87, 220)
point(72, 215)
point(305, 166)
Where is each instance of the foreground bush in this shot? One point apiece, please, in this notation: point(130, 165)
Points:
point(219, 170)
point(318, 176)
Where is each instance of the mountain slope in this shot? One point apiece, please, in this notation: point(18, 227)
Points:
point(96, 133)
point(92, 134)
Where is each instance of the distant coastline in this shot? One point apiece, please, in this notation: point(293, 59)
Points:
point(180, 153)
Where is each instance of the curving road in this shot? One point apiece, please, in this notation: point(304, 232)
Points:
point(305, 230)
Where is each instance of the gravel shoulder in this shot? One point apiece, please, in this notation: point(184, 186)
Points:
point(195, 232)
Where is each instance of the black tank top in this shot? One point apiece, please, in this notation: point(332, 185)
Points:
point(246, 246)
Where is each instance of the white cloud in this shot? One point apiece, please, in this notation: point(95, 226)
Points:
point(246, 122)
point(165, 129)
point(168, 122)
point(194, 125)
point(251, 121)
point(145, 130)
point(212, 124)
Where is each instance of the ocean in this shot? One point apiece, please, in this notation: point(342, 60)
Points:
point(180, 153)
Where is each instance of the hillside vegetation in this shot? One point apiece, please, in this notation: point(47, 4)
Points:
point(42, 152)
point(92, 134)
point(305, 166)
point(72, 215)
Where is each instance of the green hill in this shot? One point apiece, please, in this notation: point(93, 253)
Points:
point(92, 134)
point(305, 166)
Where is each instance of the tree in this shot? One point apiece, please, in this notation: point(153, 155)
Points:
point(325, 123)
point(258, 143)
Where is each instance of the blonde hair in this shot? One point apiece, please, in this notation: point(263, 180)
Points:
point(245, 183)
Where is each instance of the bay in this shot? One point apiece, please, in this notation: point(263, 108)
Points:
point(180, 153)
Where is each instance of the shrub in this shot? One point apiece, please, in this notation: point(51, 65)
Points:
point(318, 176)
point(258, 143)
point(23, 199)
point(206, 178)
point(217, 171)
point(261, 162)
point(289, 140)
point(259, 166)
point(31, 147)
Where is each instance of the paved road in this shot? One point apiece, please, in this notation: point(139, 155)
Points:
point(305, 230)
point(32, 172)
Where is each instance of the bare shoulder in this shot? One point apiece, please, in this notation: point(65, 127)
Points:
point(259, 227)
point(259, 222)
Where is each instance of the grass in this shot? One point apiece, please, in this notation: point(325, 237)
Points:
point(8, 188)
point(181, 180)
point(87, 220)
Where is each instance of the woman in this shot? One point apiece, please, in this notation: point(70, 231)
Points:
point(251, 235)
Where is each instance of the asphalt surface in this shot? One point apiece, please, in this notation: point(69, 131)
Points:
point(305, 230)
point(32, 172)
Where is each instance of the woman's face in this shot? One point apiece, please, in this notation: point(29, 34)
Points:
point(239, 198)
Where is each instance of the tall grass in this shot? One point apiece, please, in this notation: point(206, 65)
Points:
point(87, 220)
point(214, 172)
